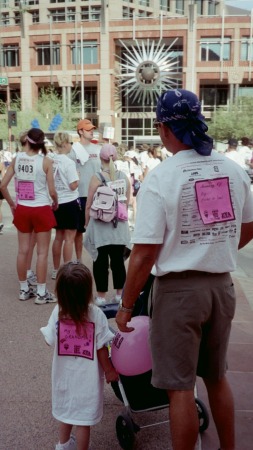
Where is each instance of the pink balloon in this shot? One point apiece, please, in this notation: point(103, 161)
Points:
point(130, 352)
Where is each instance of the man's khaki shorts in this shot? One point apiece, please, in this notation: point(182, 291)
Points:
point(189, 332)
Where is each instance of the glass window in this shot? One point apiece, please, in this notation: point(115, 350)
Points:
point(213, 96)
point(35, 16)
point(90, 13)
point(180, 6)
point(44, 51)
point(127, 12)
point(246, 49)
point(199, 7)
point(212, 7)
point(5, 19)
point(213, 50)
point(58, 15)
point(165, 5)
point(71, 13)
point(90, 52)
point(10, 55)
point(90, 98)
point(4, 3)
point(144, 2)
point(17, 17)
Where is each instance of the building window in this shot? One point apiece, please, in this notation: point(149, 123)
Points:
point(44, 51)
point(144, 2)
point(58, 15)
point(10, 55)
point(57, 1)
point(32, 2)
point(246, 49)
point(127, 12)
point(4, 3)
point(165, 5)
point(200, 5)
point(5, 19)
point(90, 52)
point(180, 6)
point(90, 13)
point(71, 14)
point(35, 16)
point(143, 13)
point(212, 7)
point(17, 17)
point(212, 49)
point(90, 98)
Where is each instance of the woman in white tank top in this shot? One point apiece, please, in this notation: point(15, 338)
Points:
point(32, 210)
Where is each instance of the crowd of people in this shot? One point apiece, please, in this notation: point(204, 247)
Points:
point(192, 301)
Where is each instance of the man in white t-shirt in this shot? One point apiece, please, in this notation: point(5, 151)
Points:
point(194, 211)
point(86, 156)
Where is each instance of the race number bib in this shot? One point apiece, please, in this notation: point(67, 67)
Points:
point(120, 187)
point(26, 169)
point(214, 200)
point(25, 190)
point(72, 344)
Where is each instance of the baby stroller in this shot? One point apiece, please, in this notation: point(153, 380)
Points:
point(137, 392)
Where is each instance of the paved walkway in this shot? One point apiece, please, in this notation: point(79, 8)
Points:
point(25, 390)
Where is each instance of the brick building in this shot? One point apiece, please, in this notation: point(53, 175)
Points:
point(118, 55)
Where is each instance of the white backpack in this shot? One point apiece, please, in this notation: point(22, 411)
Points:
point(104, 205)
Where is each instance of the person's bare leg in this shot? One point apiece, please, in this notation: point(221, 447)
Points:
point(68, 246)
point(43, 241)
point(79, 245)
point(222, 406)
point(23, 250)
point(56, 248)
point(184, 421)
point(64, 432)
point(31, 249)
point(83, 437)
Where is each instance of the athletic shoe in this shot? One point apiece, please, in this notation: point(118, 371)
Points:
point(116, 299)
point(54, 274)
point(1, 228)
point(70, 445)
point(100, 301)
point(32, 279)
point(46, 298)
point(25, 295)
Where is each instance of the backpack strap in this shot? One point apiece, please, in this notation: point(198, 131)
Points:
point(102, 178)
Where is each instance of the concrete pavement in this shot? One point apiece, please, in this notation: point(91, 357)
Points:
point(26, 422)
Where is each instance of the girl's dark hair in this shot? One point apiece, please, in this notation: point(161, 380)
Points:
point(36, 138)
point(74, 292)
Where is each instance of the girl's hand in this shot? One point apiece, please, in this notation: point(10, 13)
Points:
point(111, 375)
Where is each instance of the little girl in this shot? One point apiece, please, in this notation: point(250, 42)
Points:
point(79, 331)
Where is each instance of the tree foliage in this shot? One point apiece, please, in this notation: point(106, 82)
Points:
point(49, 104)
point(234, 122)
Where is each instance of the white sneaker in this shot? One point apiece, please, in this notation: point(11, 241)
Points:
point(100, 301)
point(25, 295)
point(70, 445)
point(116, 299)
point(46, 298)
point(54, 274)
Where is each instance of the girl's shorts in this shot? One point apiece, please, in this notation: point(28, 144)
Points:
point(38, 218)
point(67, 215)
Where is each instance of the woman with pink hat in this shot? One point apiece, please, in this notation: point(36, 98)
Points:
point(106, 243)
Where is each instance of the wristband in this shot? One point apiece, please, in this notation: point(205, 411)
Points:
point(126, 310)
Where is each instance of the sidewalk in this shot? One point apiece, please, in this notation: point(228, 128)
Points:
point(26, 422)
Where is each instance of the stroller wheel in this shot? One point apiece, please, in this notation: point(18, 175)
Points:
point(125, 431)
point(203, 415)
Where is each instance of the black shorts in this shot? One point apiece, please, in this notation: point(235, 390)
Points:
point(67, 215)
point(81, 215)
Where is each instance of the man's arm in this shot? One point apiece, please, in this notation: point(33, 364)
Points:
point(141, 262)
point(246, 234)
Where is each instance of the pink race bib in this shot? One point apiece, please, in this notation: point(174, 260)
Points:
point(214, 200)
point(70, 343)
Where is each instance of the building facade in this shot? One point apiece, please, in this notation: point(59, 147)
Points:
point(116, 56)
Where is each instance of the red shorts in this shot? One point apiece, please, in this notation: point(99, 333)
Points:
point(38, 219)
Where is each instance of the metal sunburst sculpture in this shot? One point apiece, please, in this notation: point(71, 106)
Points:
point(147, 70)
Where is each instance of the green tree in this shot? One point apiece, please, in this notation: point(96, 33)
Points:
point(236, 121)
